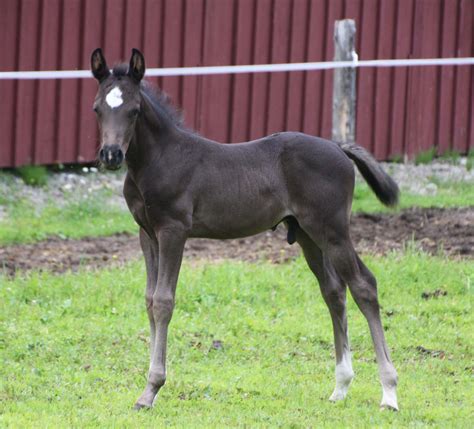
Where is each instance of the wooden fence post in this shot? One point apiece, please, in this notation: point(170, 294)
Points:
point(344, 91)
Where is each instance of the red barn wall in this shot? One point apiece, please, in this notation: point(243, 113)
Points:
point(399, 110)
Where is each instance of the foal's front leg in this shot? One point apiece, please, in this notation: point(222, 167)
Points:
point(171, 246)
point(149, 247)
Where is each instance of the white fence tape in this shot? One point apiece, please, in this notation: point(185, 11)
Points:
point(257, 68)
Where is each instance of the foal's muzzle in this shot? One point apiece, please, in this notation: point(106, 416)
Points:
point(111, 156)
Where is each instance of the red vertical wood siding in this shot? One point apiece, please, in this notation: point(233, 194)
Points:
point(298, 52)
point(260, 81)
point(215, 101)
point(192, 85)
point(242, 84)
point(464, 78)
point(399, 110)
point(9, 22)
point(27, 91)
point(314, 82)
point(403, 23)
point(279, 48)
point(68, 92)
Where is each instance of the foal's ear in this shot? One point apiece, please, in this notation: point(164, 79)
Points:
point(136, 69)
point(99, 66)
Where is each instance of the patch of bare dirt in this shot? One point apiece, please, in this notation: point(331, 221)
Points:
point(434, 230)
point(450, 231)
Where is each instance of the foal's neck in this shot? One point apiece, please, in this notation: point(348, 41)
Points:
point(155, 139)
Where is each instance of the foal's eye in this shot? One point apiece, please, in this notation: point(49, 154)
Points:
point(133, 113)
point(96, 110)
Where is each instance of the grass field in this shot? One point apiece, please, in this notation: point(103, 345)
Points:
point(74, 348)
point(449, 194)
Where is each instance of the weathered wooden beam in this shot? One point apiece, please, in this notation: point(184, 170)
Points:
point(344, 91)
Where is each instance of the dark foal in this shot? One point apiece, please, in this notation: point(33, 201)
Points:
point(181, 185)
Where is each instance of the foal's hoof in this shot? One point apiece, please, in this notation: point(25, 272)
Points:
point(337, 395)
point(340, 391)
point(389, 404)
point(140, 406)
point(389, 400)
point(146, 399)
point(384, 407)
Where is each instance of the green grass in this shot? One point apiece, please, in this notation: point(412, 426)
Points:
point(451, 155)
point(93, 216)
point(74, 353)
point(90, 217)
point(449, 194)
point(70, 215)
point(34, 175)
point(425, 157)
point(470, 160)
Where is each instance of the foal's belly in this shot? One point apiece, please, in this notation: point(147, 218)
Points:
point(236, 219)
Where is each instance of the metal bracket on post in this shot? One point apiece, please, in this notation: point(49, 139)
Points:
point(344, 91)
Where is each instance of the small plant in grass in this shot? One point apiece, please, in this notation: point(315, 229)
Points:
point(34, 175)
point(470, 160)
point(451, 155)
point(396, 159)
point(426, 156)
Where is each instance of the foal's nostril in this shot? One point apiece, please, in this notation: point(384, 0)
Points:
point(111, 156)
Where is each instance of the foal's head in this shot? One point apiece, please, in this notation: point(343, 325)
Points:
point(117, 105)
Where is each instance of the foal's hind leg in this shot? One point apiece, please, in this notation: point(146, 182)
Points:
point(333, 290)
point(363, 287)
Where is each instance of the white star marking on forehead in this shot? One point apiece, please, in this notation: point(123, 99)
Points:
point(114, 97)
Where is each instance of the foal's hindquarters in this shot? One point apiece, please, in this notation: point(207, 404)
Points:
point(323, 234)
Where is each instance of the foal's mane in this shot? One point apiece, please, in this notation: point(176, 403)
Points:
point(159, 100)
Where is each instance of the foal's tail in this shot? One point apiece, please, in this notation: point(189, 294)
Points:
point(379, 181)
